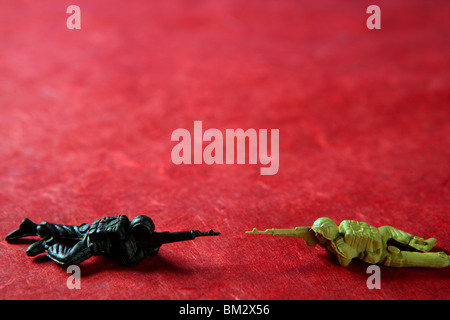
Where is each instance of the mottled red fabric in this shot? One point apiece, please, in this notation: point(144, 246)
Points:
point(86, 118)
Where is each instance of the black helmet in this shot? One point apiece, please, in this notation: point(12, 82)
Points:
point(142, 227)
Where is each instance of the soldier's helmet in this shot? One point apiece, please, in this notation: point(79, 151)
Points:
point(326, 227)
point(142, 227)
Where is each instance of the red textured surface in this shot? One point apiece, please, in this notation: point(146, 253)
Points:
point(86, 118)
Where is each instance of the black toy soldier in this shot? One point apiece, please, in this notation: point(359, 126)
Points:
point(129, 242)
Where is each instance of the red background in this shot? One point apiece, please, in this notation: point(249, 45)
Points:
point(87, 115)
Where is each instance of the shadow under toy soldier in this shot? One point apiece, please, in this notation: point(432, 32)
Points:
point(128, 241)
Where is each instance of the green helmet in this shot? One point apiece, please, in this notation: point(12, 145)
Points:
point(326, 227)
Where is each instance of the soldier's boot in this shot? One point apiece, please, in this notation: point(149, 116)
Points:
point(421, 244)
point(26, 228)
point(397, 258)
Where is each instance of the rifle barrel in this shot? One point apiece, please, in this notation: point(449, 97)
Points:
point(297, 232)
point(160, 238)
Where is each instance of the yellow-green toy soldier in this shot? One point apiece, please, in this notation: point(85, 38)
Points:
point(354, 239)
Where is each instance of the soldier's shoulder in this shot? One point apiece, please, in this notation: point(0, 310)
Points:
point(352, 225)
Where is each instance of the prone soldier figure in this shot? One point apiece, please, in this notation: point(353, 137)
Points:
point(354, 239)
point(128, 241)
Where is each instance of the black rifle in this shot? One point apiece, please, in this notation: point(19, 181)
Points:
point(160, 238)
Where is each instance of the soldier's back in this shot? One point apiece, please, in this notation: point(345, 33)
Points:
point(109, 229)
point(361, 236)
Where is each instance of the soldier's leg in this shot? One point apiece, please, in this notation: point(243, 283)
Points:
point(40, 246)
point(60, 231)
point(29, 228)
point(397, 258)
point(64, 254)
point(407, 239)
point(388, 233)
point(51, 232)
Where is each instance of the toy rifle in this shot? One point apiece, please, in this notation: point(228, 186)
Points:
point(299, 232)
point(160, 238)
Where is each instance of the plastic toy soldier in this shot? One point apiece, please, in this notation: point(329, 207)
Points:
point(353, 239)
point(129, 242)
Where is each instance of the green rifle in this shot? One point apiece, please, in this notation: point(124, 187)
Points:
point(299, 232)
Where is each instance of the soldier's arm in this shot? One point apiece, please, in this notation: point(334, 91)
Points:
point(343, 251)
point(129, 253)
